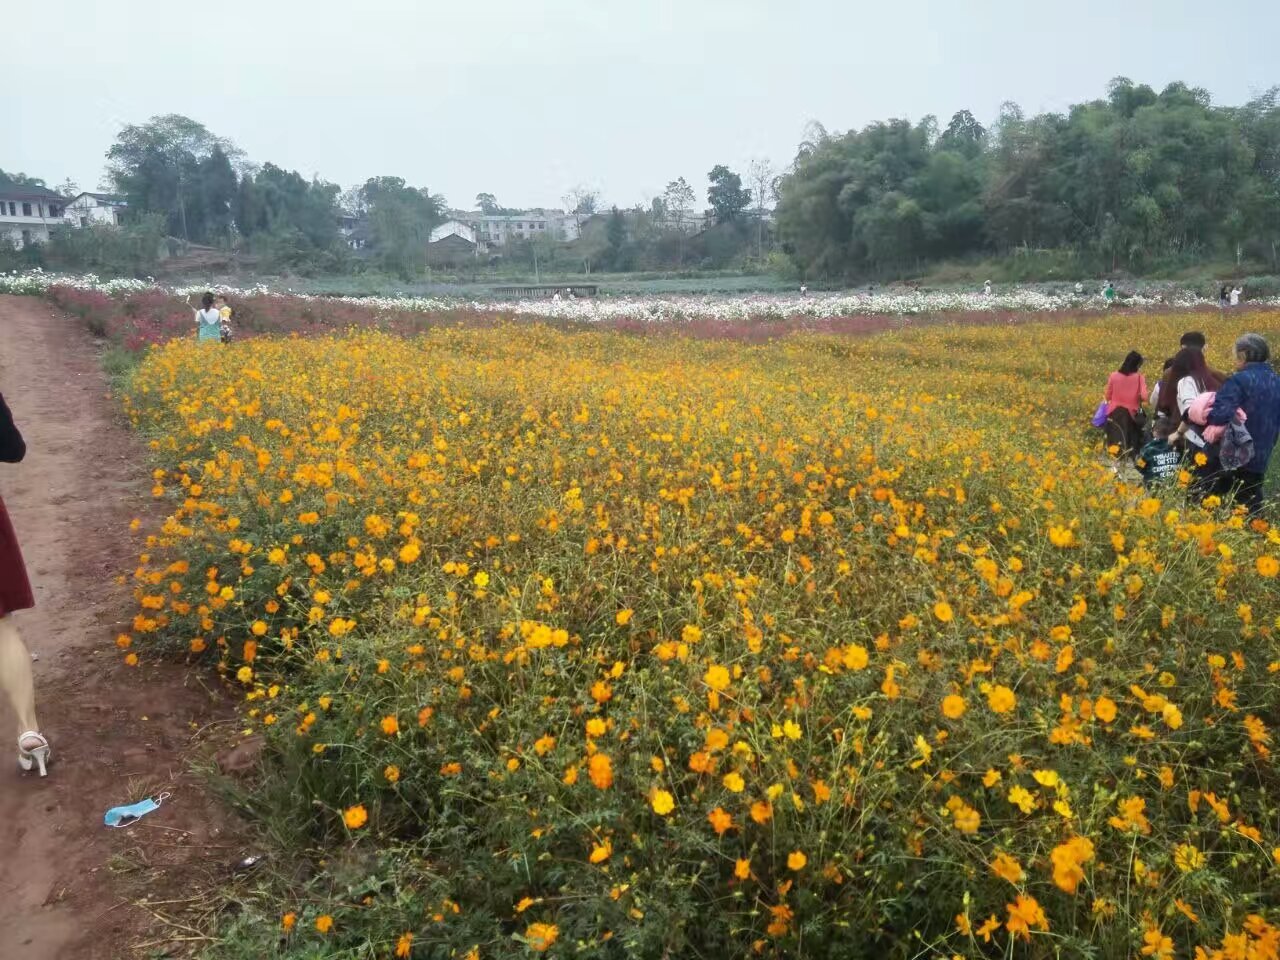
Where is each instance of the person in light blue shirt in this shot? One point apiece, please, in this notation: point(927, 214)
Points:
point(208, 320)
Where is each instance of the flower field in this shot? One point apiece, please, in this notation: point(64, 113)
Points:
point(587, 644)
point(661, 309)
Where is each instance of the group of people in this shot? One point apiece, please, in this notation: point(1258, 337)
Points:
point(1220, 427)
point(213, 319)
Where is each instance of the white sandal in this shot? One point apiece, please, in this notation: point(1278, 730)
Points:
point(35, 756)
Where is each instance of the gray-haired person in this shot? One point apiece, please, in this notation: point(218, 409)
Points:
point(1254, 388)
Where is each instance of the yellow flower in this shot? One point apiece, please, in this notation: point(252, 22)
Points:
point(623, 617)
point(953, 707)
point(1267, 566)
point(662, 802)
point(1187, 858)
point(355, 817)
point(1023, 799)
point(791, 730)
point(1001, 699)
point(942, 610)
point(245, 674)
point(391, 773)
point(733, 782)
point(796, 860)
point(717, 678)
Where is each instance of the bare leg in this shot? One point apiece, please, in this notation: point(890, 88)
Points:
point(15, 675)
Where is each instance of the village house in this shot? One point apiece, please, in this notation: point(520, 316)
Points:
point(27, 214)
point(498, 229)
point(454, 242)
point(87, 209)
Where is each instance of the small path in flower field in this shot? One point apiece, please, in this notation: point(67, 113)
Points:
point(71, 889)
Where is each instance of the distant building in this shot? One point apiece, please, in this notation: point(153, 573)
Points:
point(497, 229)
point(453, 242)
point(91, 208)
point(354, 229)
point(27, 214)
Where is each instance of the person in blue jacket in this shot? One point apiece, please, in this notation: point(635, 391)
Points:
point(1254, 388)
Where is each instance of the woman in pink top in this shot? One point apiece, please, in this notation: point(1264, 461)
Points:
point(1125, 394)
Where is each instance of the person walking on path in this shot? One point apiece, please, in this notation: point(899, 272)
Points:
point(15, 595)
point(208, 320)
point(1255, 389)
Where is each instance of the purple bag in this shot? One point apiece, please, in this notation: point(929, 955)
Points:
point(1100, 415)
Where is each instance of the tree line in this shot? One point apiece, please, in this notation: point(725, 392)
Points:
point(1134, 181)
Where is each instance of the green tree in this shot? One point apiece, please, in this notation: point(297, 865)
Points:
point(157, 166)
point(726, 195)
point(401, 218)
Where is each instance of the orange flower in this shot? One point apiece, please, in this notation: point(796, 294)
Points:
point(355, 817)
point(324, 923)
point(1007, 868)
point(289, 921)
point(1024, 914)
point(540, 936)
point(390, 725)
point(601, 852)
point(720, 820)
point(796, 860)
point(404, 946)
point(600, 770)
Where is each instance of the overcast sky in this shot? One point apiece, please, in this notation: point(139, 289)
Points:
point(525, 99)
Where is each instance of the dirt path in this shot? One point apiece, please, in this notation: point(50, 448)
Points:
point(69, 886)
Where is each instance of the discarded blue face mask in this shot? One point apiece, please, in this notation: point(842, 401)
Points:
point(127, 816)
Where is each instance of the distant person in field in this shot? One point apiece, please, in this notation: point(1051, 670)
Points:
point(1125, 393)
point(15, 594)
point(986, 288)
point(1079, 288)
point(208, 320)
point(1223, 296)
point(1109, 292)
point(1235, 296)
point(1255, 389)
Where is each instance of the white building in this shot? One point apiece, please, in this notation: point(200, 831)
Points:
point(498, 229)
point(92, 208)
point(27, 214)
point(453, 228)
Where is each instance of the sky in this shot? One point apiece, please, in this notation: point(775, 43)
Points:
point(526, 100)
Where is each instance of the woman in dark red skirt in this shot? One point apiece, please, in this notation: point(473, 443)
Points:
point(15, 594)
